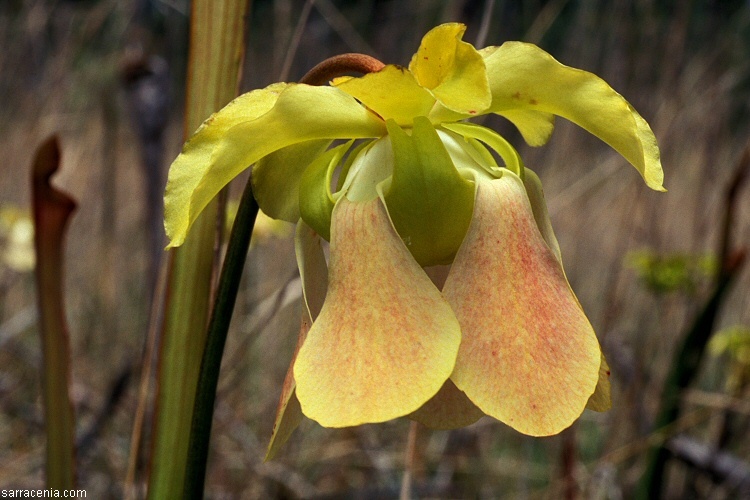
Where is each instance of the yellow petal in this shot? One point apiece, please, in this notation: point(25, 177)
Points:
point(601, 400)
point(452, 70)
point(528, 355)
point(246, 130)
point(187, 170)
point(314, 277)
point(392, 93)
point(524, 77)
point(535, 126)
point(385, 340)
point(448, 409)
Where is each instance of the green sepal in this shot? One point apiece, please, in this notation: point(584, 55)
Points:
point(428, 200)
point(481, 155)
point(276, 178)
point(494, 140)
point(534, 191)
point(315, 197)
point(372, 167)
point(349, 162)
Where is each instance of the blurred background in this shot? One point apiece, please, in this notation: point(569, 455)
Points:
point(108, 77)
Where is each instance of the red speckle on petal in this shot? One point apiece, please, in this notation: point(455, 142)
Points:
point(533, 102)
point(608, 373)
point(472, 112)
point(426, 58)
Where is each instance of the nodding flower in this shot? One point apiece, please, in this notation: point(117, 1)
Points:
point(415, 186)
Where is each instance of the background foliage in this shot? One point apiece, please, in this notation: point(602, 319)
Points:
point(640, 262)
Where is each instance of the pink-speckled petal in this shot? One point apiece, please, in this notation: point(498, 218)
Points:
point(528, 355)
point(385, 340)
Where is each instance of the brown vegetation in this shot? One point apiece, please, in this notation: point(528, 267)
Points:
point(68, 68)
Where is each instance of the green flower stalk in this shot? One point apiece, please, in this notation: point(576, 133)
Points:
point(505, 336)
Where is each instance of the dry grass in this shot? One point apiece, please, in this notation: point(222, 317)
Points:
point(685, 71)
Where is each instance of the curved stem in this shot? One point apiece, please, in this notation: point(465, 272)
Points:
point(340, 65)
point(218, 326)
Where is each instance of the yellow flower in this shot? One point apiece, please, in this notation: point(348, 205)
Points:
point(17, 239)
point(505, 336)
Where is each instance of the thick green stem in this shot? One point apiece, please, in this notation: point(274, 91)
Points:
point(218, 327)
point(217, 33)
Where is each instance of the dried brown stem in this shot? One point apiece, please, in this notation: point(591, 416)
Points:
point(52, 211)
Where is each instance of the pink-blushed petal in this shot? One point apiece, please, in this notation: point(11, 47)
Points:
point(313, 272)
point(528, 355)
point(601, 400)
point(385, 340)
point(448, 409)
